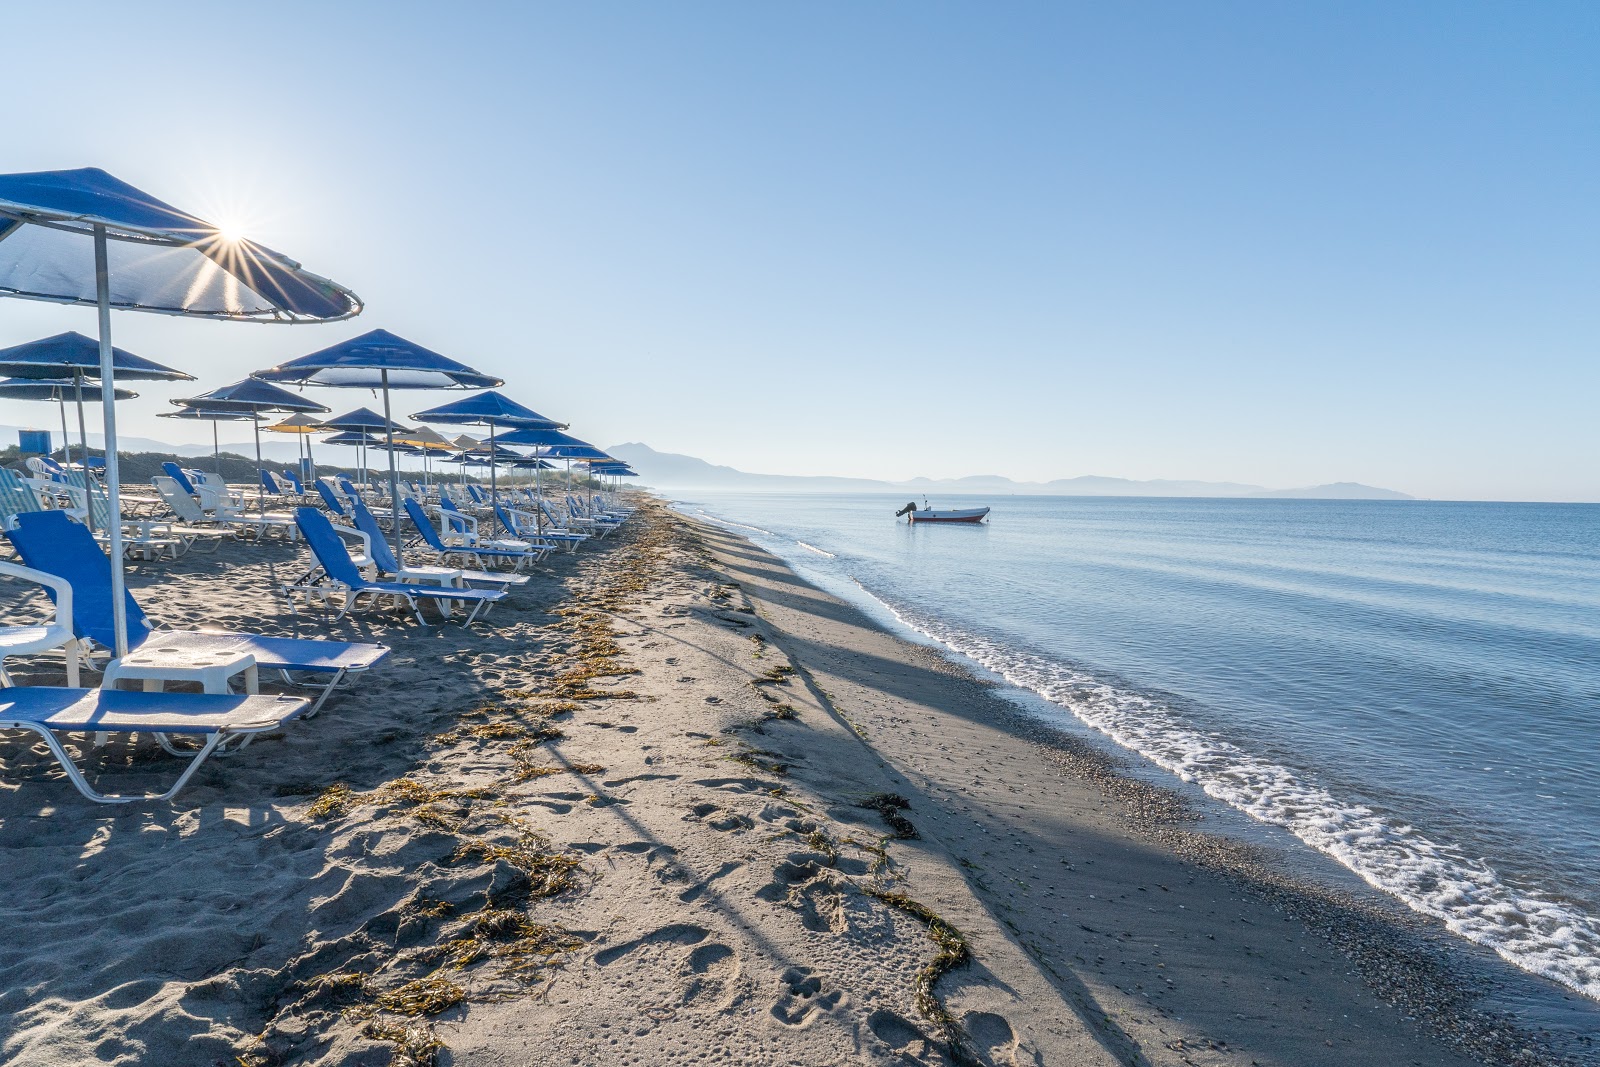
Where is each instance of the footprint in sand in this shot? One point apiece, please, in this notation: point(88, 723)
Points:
point(714, 968)
point(699, 889)
point(803, 998)
point(997, 1041)
point(737, 785)
point(675, 934)
point(900, 1035)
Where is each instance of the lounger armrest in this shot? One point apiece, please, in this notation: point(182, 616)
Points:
point(59, 586)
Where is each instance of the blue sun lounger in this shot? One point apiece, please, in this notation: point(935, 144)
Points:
point(179, 475)
point(474, 553)
point(51, 542)
point(215, 721)
point(329, 497)
point(341, 573)
point(384, 558)
point(517, 525)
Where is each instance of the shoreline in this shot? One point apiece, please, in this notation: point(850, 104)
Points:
point(674, 802)
point(1465, 993)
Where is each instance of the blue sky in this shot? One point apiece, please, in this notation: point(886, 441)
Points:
point(1275, 243)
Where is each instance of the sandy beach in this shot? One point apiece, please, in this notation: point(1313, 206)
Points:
point(670, 804)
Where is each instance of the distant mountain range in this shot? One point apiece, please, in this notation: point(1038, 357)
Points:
point(668, 470)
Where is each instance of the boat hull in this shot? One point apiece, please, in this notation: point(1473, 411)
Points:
point(965, 515)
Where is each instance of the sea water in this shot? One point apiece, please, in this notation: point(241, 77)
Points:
point(1412, 688)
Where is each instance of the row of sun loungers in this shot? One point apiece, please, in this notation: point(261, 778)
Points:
point(464, 570)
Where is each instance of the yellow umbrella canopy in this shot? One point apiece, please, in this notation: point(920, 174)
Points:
point(301, 423)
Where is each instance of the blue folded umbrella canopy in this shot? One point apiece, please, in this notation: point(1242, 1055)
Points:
point(84, 237)
point(380, 360)
point(213, 416)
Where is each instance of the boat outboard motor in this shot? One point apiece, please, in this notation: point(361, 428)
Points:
point(907, 509)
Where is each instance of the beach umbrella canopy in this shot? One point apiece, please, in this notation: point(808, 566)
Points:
point(362, 420)
point(302, 425)
point(213, 416)
point(543, 437)
point(158, 258)
point(259, 398)
point(466, 441)
point(252, 395)
point(58, 390)
point(427, 439)
point(379, 359)
point(353, 437)
point(490, 409)
point(84, 237)
point(73, 356)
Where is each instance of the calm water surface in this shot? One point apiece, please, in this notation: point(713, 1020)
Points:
point(1412, 688)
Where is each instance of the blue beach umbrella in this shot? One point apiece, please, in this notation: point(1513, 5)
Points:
point(380, 360)
point(84, 237)
point(259, 398)
point(489, 409)
point(542, 440)
point(213, 416)
point(73, 356)
point(364, 421)
point(59, 390)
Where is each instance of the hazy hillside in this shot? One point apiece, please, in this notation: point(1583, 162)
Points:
point(672, 471)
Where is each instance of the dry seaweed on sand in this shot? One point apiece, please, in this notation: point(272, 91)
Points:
point(414, 1045)
point(421, 996)
point(953, 952)
point(889, 805)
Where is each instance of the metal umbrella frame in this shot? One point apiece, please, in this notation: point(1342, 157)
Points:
point(365, 421)
point(302, 426)
point(214, 417)
point(72, 356)
point(260, 398)
point(491, 409)
point(169, 262)
point(57, 389)
point(385, 360)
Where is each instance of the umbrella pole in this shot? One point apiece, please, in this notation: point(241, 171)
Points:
point(83, 437)
point(261, 483)
point(216, 449)
point(66, 442)
point(538, 491)
point(394, 479)
point(494, 485)
point(108, 401)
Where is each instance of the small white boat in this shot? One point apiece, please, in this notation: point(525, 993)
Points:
point(928, 514)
